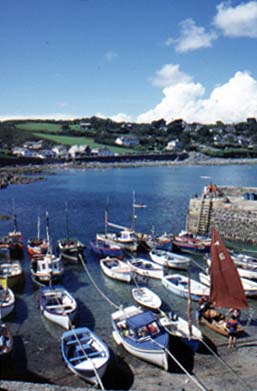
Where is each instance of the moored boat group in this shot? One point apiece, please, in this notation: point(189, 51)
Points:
point(143, 329)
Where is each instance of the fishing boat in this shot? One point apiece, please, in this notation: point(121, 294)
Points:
point(139, 332)
point(116, 269)
point(226, 289)
point(150, 241)
point(46, 269)
point(7, 301)
point(103, 249)
point(70, 248)
point(6, 340)
point(37, 245)
point(57, 305)
point(179, 284)
point(85, 354)
point(187, 242)
point(125, 238)
point(146, 298)
point(250, 287)
point(15, 239)
point(145, 268)
point(169, 259)
point(11, 270)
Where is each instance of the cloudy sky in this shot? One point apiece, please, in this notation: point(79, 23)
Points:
point(133, 60)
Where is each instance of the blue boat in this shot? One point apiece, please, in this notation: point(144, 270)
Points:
point(106, 250)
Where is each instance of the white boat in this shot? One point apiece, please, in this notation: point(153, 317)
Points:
point(169, 258)
point(244, 260)
point(57, 305)
point(250, 287)
point(126, 239)
point(243, 270)
point(179, 327)
point(116, 269)
point(46, 269)
point(140, 334)
point(85, 354)
point(145, 268)
point(179, 284)
point(7, 301)
point(146, 297)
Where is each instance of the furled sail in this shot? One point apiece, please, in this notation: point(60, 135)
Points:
point(226, 287)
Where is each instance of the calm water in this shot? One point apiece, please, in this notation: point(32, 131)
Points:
point(166, 192)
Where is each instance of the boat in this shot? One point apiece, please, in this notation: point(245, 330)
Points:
point(15, 240)
point(106, 250)
point(57, 305)
point(6, 340)
point(150, 241)
point(145, 268)
point(179, 284)
point(7, 301)
point(178, 327)
point(38, 245)
point(139, 332)
point(243, 271)
point(11, 270)
point(85, 354)
point(187, 242)
point(250, 287)
point(46, 269)
point(244, 260)
point(169, 259)
point(126, 239)
point(226, 289)
point(116, 269)
point(70, 249)
point(146, 297)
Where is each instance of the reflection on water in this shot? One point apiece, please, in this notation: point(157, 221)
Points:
point(165, 191)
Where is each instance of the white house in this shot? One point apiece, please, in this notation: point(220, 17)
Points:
point(173, 145)
point(60, 151)
point(78, 150)
point(127, 141)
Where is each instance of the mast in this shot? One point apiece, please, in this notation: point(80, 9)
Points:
point(66, 221)
point(189, 306)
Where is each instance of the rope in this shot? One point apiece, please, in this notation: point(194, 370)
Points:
point(196, 381)
point(95, 285)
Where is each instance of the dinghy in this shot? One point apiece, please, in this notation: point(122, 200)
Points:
point(7, 301)
point(85, 354)
point(11, 271)
point(146, 298)
point(179, 284)
point(57, 305)
point(6, 340)
point(146, 268)
point(116, 269)
point(169, 259)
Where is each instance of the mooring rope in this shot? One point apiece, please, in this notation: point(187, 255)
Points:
point(95, 285)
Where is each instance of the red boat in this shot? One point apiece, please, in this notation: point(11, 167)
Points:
point(187, 242)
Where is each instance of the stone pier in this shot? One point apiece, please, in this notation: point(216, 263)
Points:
point(231, 210)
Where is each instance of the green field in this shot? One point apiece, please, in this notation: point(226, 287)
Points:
point(68, 141)
point(39, 127)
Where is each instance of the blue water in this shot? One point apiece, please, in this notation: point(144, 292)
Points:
point(166, 192)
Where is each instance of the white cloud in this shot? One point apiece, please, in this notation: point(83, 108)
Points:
point(192, 37)
point(170, 74)
point(233, 101)
point(239, 21)
point(110, 56)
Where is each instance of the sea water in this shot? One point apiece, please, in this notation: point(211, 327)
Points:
point(86, 194)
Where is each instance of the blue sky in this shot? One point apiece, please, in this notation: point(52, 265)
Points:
point(134, 60)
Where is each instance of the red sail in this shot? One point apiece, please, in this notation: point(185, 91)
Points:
point(226, 286)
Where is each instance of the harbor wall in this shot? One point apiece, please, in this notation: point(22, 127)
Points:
point(233, 213)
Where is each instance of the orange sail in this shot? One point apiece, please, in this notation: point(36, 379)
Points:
point(226, 286)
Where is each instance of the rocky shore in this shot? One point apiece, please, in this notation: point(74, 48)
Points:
point(28, 174)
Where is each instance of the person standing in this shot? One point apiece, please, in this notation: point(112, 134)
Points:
point(232, 326)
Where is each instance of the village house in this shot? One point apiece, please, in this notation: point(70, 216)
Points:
point(35, 145)
point(78, 151)
point(60, 151)
point(101, 151)
point(173, 145)
point(127, 141)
